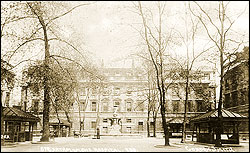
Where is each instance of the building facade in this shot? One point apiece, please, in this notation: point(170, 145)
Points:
point(124, 91)
point(127, 89)
point(237, 87)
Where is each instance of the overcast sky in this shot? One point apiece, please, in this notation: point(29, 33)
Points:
point(105, 28)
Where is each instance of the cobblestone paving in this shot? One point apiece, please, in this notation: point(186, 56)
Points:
point(118, 144)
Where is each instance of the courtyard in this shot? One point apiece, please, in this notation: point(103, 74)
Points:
point(120, 144)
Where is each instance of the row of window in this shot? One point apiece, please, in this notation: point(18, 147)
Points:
point(128, 120)
point(200, 106)
point(116, 91)
point(139, 107)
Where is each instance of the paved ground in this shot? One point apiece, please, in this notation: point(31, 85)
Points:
point(118, 144)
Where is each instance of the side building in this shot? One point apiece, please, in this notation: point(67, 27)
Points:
point(16, 124)
point(237, 88)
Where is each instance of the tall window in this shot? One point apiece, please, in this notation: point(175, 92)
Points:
point(105, 106)
point(200, 106)
point(140, 105)
point(175, 105)
point(129, 120)
point(93, 106)
point(7, 100)
point(35, 103)
point(129, 106)
point(129, 91)
point(82, 105)
point(117, 105)
point(82, 93)
point(105, 120)
point(140, 126)
point(105, 91)
point(190, 106)
point(116, 91)
point(82, 125)
point(93, 124)
point(94, 91)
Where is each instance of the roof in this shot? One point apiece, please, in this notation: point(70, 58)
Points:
point(16, 114)
point(226, 114)
point(54, 121)
point(176, 121)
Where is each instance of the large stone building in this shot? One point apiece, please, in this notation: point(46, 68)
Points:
point(124, 91)
point(127, 89)
point(237, 87)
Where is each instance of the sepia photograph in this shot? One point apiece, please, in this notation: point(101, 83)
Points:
point(124, 76)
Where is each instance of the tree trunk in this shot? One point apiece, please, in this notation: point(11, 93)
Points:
point(185, 110)
point(165, 126)
point(219, 123)
point(154, 134)
point(46, 110)
point(46, 102)
point(2, 128)
point(148, 124)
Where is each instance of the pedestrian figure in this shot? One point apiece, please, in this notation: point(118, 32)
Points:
point(98, 133)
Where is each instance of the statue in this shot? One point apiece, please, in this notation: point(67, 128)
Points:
point(115, 123)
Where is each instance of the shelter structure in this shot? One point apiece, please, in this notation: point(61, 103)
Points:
point(205, 126)
point(18, 125)
point(175, 126)
point(59, 128)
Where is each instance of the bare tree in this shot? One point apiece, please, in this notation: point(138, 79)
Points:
point(220, 33)
point(156, 46)
point(187, 38)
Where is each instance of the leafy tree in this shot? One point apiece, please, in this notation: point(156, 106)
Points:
point(32, 26)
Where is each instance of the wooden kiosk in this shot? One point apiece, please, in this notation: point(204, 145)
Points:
point(204, 127)
point(18, 125)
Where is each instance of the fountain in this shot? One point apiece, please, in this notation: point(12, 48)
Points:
point(115, 128)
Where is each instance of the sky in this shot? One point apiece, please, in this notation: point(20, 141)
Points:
point(107, 34)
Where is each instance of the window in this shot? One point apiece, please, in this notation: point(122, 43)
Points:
point(190, 106)
point(117, 105)
point(200, 106)
point(105, 120)
point(129, 120)
point(94, 91)
point(93, 106)
point(93, 124)
point(105, 91)
point(151, 125)
point(82, 93)
point(116, 91)
point(105, 129)
point(35, 103)
point(105, 106)
point(129, 106)
point(140, 105)
point(175, 105)
point(7, 100)
point(140, 126)
point(82, 105)
point(117, 73)
point(129, 92)
point(82, 125)
point(129, 129)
